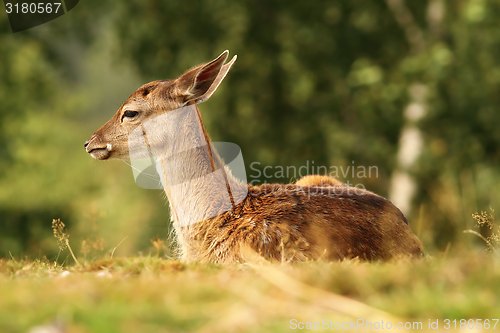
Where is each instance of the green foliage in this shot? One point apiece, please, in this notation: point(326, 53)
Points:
point(45, 118)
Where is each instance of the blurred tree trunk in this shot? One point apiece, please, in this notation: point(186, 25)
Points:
point(403, 184)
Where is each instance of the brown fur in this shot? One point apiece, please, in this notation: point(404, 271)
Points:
point(319, 217)
point(318, 180)
point(284, 222)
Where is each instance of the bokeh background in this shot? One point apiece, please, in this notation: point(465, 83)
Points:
point(411, 87)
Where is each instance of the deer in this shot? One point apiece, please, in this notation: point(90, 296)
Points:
point(218, 218)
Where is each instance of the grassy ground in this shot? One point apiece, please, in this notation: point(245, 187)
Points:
point(147, 294)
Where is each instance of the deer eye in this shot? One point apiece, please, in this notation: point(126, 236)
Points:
point(130, 114)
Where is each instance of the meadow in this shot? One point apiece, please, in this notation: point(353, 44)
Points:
point(447, 290)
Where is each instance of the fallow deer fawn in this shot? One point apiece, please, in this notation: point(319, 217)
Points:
point(217, 217)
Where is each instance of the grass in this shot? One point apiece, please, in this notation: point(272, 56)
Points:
point(152, 294)
point(149, 294)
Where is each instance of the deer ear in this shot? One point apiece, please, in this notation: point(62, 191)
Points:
point(199, 83)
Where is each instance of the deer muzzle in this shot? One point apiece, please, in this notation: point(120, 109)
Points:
point(97, 149)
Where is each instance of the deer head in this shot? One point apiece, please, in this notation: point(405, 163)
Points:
point(153, 99)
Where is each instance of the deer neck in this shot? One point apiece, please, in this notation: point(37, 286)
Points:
point(196, 181)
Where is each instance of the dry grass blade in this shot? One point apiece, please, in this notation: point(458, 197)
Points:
point(114, 249)
point(322, 298)
point(62, 236)
point(256, 306)
point(314, 296)
point(480, 236)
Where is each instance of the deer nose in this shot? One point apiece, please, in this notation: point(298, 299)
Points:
point(86, 144)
